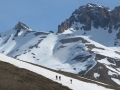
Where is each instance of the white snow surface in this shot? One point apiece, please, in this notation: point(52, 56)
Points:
point(44, 49)
point(96, 75)
point(105, 61)
point(49, 49)
point(76, 85)
point(111, 73)
point(99, 35)
point(116, 80)
point(59, 51)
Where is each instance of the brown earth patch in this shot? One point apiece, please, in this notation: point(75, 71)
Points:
point(13, 78)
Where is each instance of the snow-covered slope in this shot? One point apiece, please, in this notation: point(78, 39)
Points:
point(85, 46)
point(76, 85)
point(67, 52)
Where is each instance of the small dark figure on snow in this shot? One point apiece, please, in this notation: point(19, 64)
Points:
point(71, 81)
point(60, 78)
point(56, 77)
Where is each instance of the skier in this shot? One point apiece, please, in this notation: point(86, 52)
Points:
point(71, 81)
point(56, 77)
point(60, 78)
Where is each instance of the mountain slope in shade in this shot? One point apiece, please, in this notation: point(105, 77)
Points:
point(94, 52)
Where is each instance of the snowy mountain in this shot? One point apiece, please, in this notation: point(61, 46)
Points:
point(86, 45)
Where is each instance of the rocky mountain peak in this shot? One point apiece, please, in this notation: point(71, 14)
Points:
point(115, 16)
point(20, 26)
point(94, 6)
point(92, 15)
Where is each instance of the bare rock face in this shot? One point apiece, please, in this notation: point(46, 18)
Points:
point(63, 26)
point(92, 15)
point(115, 15)
point(20, 26)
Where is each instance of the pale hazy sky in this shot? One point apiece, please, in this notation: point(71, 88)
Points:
point(42, 15)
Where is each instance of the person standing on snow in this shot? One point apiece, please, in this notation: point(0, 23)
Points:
point(60, 78)
point(56, 77)
point(71, 81)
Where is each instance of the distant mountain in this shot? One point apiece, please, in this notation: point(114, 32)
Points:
point(86, 44)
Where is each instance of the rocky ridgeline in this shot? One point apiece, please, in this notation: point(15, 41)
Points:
point(93, 15)
point(20, 26)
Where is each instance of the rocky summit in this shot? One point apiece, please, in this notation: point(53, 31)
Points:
point(93, 15)
point(20, 26)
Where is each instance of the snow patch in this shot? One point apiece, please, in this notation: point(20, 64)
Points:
point(105, 61)
point(116, 80)
point(111, 73)
point(96, 75)
point(20, 33)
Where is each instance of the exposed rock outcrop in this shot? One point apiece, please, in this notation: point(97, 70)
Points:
point(92, 15)
point(20, 26)
point(63, 26)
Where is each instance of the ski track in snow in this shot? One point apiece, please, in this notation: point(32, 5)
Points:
point(76, 85)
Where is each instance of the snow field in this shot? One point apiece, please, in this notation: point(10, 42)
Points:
point(77, 85)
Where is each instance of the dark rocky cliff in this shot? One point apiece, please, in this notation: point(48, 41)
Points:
point(20, 26)
point(93, 15)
